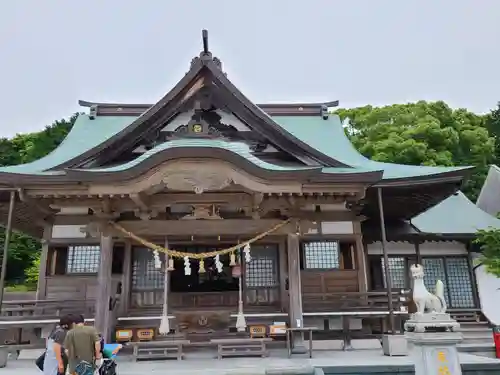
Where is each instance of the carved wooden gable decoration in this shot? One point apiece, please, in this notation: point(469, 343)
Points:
point(205, 104)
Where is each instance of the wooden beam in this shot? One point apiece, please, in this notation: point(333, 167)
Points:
point(241, 199)
point(200, 227)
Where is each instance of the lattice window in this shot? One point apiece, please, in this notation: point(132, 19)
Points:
point(144, 273)
point(83, 259)
point(434, 271)
point(321, 255)
point(397, 270)
point(262, 271)
point(459, 283)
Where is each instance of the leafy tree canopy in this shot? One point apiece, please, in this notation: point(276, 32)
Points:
point(25, 148)
point(423, 133)
point(489, 242)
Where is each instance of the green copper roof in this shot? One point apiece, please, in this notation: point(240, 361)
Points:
point(84, 135)
point(238, 148)
point(328, 137)
point(455, 215)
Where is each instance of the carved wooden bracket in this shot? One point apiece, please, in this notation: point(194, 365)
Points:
point(254, 210)
point(45, 210)
point(146, 214)
point(96, 229)
point(196, 179)
point(203, 212)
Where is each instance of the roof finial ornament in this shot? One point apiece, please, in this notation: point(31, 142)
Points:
point(205, 54)
point(204, 35)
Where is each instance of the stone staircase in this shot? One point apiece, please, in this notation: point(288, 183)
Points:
point(477, 338)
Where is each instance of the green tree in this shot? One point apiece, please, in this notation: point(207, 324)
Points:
point(24, 148)
point(493, 125)
point(489, 242)
point(423, 133)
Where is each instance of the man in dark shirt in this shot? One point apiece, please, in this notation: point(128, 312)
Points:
point(83, 346)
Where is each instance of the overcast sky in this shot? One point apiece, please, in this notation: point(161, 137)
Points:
point(54, 52)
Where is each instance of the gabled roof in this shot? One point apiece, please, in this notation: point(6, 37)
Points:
point(204, 71)
point(305, 131)
point(489, 197)
point(455, 215)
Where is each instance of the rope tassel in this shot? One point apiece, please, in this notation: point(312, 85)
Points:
point(202, 266)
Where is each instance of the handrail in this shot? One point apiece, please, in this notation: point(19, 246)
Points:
point(44, 301)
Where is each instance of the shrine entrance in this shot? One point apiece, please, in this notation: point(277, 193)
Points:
point(207, 287)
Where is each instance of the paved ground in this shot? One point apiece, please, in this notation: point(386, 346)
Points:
point(203, 363)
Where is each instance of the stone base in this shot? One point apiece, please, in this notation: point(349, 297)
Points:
point(4, 355)
point(431, 322)
point(435, 352)
point(394, 345)
point(299, 349)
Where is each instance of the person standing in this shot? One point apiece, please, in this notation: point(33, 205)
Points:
point(83, 347)
point(55, 361)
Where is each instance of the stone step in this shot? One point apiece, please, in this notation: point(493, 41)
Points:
point(477, 340)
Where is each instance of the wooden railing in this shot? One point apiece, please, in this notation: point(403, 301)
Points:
point(345, 301)
point(27, 309)
point(251, 297)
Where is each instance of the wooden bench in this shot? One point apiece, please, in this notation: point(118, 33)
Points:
point(241, 347)
point(158, 349)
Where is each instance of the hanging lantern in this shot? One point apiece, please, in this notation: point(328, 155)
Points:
point(236, 271)
point(201, 268)
point(170, 264)
point(232, 259)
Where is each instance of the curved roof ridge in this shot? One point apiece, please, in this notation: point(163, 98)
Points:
point(239, 148)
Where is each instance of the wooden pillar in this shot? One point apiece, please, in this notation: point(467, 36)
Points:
point(165, 326)
point(283, 275)
point(388, 280)
point(295, 291)
point(103, 313)
point(126, 278)
point(360, 258)
point(417, 252)
point(41, 288)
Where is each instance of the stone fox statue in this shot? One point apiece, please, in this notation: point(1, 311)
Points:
point(425, 300)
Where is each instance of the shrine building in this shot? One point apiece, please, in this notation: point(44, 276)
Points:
point(220, 213)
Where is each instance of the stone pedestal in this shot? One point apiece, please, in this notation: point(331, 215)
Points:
point(4, 355)
point(394, 345)
point(434, 338)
